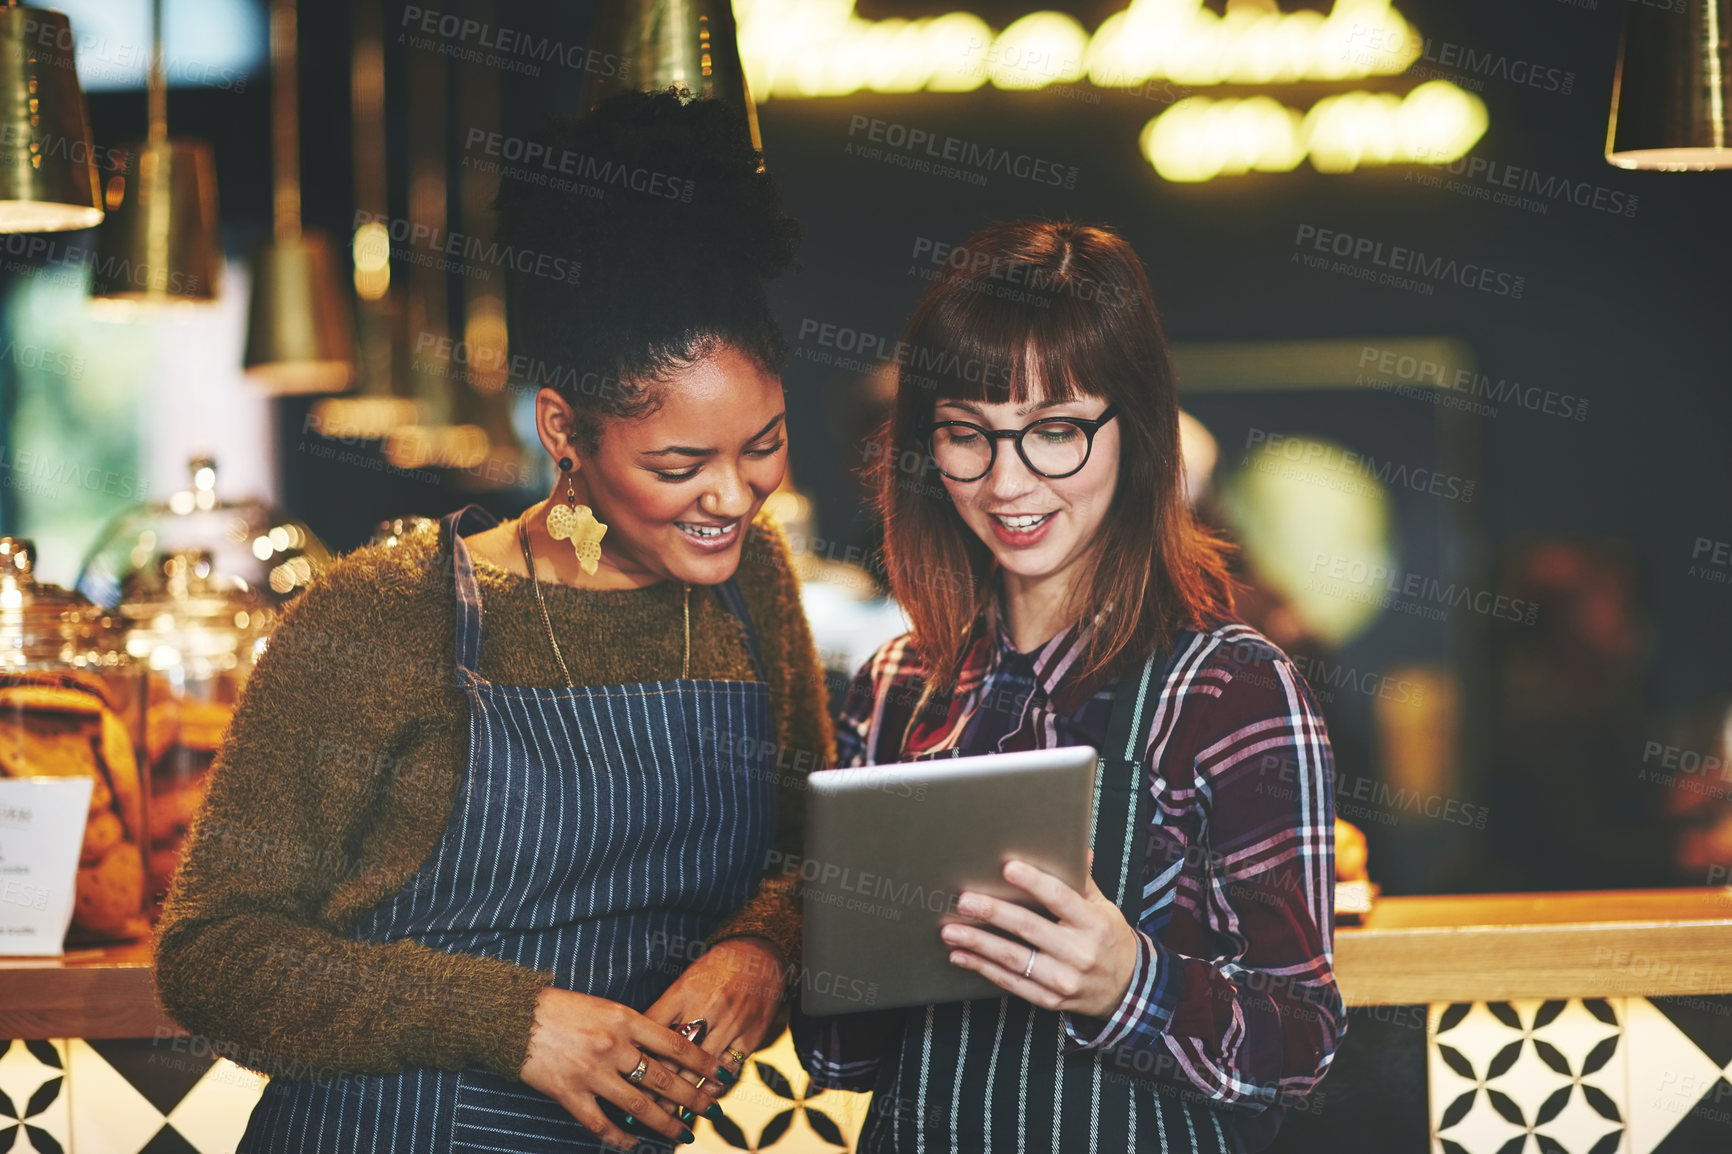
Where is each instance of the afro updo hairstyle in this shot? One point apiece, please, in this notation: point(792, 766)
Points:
point(673, 255)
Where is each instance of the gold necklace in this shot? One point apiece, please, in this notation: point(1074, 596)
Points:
point(547, 622)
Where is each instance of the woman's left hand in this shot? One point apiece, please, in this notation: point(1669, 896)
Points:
point(1085, 960)
point(735, 987)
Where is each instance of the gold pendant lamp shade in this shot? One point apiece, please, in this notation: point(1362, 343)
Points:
point(47, 164)
point(300, 337)
point(1672, 93)
point(651, 44)
point(160, 243)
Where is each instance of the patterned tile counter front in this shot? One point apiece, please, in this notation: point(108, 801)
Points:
point(1503, 1024)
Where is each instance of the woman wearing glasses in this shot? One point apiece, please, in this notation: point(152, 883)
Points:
point(1060, 594)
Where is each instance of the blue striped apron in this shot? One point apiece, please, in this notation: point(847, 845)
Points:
point(989, 1076)
point(594, 827)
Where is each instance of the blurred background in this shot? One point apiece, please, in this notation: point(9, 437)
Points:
point(1459, 386)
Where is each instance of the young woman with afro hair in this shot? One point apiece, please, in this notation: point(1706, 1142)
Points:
point(482, 861)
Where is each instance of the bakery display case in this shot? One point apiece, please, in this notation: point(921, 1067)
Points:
point(70, 703)
point(197, 582)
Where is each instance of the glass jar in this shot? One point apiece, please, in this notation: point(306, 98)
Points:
point(199, 583)
point(197, 636)
point(69, 707)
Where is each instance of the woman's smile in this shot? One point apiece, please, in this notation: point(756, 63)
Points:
point(1021, 530)
point(710, 536)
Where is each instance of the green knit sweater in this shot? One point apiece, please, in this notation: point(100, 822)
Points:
point(339, 773)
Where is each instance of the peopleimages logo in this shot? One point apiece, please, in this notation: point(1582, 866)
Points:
point(440, 244)
point(1267, 450)
point(929, 151)
point(1409, 261)
point(1407, 592)
point(495, 45)
point(540, 162)
point(1434, 382)
point(1497, 66)
point(1368, 43)
point(1496, 176)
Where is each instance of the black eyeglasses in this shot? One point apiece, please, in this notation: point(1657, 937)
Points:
point(1060, 446)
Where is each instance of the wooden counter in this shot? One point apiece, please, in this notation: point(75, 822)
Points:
point(1486, 947)
point(89, 993)
point(1493, 947)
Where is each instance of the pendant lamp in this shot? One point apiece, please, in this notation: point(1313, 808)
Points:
point(691, 43)
point(47, 165)
point(376, 406)
point(444, 437)
point(485, 334)
point(159, 243)
point(299, 335)
point(1672, 93)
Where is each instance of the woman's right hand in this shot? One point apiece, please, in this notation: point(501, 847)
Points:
point(582, 1048)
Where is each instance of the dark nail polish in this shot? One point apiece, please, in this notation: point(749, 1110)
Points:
point(631, 1119)
point(714, 1112)
point(726, 1076)
point(686, 1115)
point(687, 1137)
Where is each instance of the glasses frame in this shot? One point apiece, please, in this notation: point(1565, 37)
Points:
point(1089, 425)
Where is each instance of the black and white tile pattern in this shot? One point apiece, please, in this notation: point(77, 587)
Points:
point(1582, 1076)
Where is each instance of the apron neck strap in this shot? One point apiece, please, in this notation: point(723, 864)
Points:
point(729, 592)
point(1118, 868)
point(470, 518)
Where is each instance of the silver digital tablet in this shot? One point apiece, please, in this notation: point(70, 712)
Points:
point(890, 848)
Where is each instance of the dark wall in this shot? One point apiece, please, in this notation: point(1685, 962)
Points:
point(1625, 309)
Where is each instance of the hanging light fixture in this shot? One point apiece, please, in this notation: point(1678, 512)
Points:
point(376, 406)
point(1672, 93)
point(47, 163)
point(159, 242)
point(485, 335)
point(691, 43)
point(299, 335)
point(443, 436)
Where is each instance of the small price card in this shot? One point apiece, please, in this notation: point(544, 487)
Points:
point(41, 829)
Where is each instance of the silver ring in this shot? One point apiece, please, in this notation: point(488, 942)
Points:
point(1034, 953)
point(638, 1071)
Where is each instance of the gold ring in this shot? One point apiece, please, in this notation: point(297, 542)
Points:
point(737, 1056)
point(638, 1071)
point(700, 1083)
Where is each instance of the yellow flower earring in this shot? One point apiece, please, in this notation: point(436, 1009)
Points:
point(577, 524)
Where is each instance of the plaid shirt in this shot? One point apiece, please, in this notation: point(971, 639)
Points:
point(1233, 994)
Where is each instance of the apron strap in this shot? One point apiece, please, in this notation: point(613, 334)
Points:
point(729, 592)
point(451, 527)
point(1118, 868)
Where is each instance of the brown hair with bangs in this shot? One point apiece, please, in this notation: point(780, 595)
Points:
point(1045, 310)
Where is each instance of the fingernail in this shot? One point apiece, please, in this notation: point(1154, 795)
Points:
point(687, 1137)
point(726, 1076)
point(714, 1112)
point(631, 1119)
point(686, 1115)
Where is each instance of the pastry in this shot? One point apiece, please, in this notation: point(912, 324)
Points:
point(101, 833)
point(110, 893)
point(122, 767)
point(56, 731)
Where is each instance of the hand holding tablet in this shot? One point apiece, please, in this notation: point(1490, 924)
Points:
point(1079, 960)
